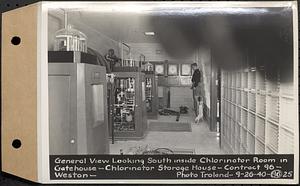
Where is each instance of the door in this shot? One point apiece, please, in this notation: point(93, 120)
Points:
point(59, 114)
point(62, 109)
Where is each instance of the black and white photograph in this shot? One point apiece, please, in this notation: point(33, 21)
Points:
point(151, 78)
point(150, 92)
point(171, 80)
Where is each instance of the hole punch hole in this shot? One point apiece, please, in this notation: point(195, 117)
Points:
point(16, 40)
point(16, 143)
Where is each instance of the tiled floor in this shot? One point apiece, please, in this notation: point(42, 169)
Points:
point(201, 140)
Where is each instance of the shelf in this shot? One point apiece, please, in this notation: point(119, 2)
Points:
point(273, 94)
point(233, 79)
point(224, 78)
point(259, 147)
point(251, 144)
point(273, 122)
point(243, 150)
point(226, 107)
point(233, 111)
point(261, 92)
point(244, 137)
point(270, 150)
point(232, 134)
point(286, 141)
point(244, 79)
point(272, 108)
point(222, 106)
point(245, 99)
point(287, 96)
point(238, 97)
point(227, 127)
point(286, 128)
point(258, 110)
point(244, 118)
point(287, 89)
point(237, 131)
point(260, 128)
point(245, 90)
point(259, 139)
point(251, 80)
point(244, 127)
point(272, 80)
point(251, 123)
point(261, 104)
point(252, 101)
point(239, 124)
point(251, 133)
point(229, 79)
point(260, 80)
point(233, 95)
point(261, 116)
point(223, 122)
point(237, 147)
point(244, 108)
point(229, 94)
point(225, 93)
point(238, 114)
point(272, 135)
point(287, 111)
point(238, 80)
point(252, 112)
point(229, 109)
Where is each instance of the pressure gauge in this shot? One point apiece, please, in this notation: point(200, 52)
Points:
point(173, 69)
point(159, 69)
point(186, 70)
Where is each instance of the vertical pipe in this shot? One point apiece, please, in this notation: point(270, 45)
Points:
point(122, 54)
point(66, 26)
point(66, 19)
point(111, 111)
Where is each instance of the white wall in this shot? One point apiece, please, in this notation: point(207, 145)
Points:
point(54, 24)
point(204, 61)
point(181, 96)
point(156, 52)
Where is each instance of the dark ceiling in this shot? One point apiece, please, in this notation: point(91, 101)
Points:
point(267, 37)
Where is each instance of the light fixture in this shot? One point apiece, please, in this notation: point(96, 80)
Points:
point(149, 33)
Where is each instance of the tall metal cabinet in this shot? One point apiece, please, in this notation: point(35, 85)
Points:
point(77, 108)
point(151, 94)
point(129, 115)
